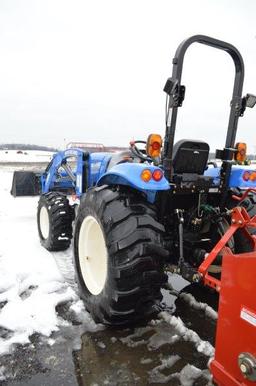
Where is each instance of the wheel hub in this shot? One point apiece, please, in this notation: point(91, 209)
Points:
point(44, 222)
point(93, 255)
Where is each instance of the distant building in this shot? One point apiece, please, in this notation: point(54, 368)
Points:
point(95, 147)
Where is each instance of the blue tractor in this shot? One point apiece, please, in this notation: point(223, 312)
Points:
point(156, 206)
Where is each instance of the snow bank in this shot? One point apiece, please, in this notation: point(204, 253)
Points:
point(163, 335)
point(31, 285)
point(156, 375)
point(139, 332)
point(187, 334)
point(187, 376)
point(209, 311)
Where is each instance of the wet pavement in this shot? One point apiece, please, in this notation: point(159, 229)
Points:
point(173, 349)
point(167, 350)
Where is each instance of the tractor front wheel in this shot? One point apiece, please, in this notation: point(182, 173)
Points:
point(119, 256)
point(54, 221)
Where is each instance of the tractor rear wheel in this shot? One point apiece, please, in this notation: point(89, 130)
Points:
point(119, 256)
point(54, 221)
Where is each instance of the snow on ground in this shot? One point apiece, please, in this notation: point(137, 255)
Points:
point(209, 311)
point(187, 376)
point(34, 281)
point(31, 285)
point(188, 334)
point(33, 156)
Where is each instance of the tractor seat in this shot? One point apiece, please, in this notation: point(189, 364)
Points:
point(190, 156)
point(120, 157)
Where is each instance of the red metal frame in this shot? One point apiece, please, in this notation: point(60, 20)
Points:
point(241, 198)
point(236, 326)
point(240, 219)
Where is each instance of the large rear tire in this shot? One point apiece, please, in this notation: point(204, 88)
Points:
point(119, 256)
point(54, 221)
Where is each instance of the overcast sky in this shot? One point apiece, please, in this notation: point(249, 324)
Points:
point(93, 71)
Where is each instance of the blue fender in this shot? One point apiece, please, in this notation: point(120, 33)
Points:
point(129, 174)
point(236, 179)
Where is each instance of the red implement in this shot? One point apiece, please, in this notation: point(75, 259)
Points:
point(235, 349)
point(239, 219)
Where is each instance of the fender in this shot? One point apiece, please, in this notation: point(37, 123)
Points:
point(129, 174)
point(236, 179)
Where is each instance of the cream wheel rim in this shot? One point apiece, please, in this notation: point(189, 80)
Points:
point(93, 255)
point(44, 222)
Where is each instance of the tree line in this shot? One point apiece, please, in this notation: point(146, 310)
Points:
point(22, 146)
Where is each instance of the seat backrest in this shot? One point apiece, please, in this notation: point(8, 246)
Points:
point(190, 156)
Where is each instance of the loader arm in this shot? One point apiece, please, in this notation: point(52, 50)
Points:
point(60, 176)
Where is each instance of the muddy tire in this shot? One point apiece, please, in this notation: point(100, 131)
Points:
point(54, 221)
point(119, 256)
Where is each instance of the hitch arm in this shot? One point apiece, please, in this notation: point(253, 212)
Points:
point(239, 219)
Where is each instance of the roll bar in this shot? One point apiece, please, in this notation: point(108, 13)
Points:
point(177, 92)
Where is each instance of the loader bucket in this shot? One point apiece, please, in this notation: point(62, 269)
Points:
point(25, 183)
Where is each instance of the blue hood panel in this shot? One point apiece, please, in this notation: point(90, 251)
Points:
point(236, 178)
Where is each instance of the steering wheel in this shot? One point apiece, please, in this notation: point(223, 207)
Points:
point(140, 153)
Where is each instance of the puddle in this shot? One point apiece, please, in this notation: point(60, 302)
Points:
point(165, 351)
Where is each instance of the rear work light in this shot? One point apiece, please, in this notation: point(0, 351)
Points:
point(249, 175)
point(250, 100)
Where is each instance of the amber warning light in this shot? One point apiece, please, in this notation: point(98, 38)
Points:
point(147, 175)
point(154, 145)
point(240, 155)
point(249, 175)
